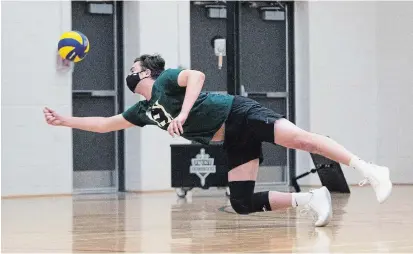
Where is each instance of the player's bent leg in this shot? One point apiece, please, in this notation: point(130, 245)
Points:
point(245, 172)
point(241, 183)
point(289, 135)
point(244, 201)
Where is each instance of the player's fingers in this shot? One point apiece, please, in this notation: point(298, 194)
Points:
point(176, 129)
point(50, 120)
point(170, 130)
point(54, 114)
point(49, 109)
point(180, 127)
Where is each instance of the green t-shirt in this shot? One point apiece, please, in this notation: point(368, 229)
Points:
point(207, 115)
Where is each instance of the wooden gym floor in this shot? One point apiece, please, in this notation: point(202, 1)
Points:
point(161, 223)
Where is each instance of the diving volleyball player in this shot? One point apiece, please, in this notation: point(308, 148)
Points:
point(174, 102)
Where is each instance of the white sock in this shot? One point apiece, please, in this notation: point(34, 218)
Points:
point(299, 199)
point(358, 164)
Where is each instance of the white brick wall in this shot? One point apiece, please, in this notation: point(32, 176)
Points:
point(362, 62)
point(158, 33)
point(395, 86)
point(36, 159)
point(359, 60)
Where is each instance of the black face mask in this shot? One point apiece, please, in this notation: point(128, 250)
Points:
point(133, 80)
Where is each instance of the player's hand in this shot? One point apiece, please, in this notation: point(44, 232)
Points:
point(52, 117)
point(175, 127)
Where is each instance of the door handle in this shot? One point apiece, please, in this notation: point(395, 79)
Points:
point(243, 92)
point(89, 93)
point(273, 95)
point(263, 94)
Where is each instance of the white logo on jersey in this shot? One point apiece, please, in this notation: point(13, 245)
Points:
point(158, 114)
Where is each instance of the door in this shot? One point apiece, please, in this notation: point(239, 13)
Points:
point(95, 93)
point(264, 75)
point(204, 29)
point(258, 64)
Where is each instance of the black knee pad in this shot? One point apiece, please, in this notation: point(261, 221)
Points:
point(241, 196)
point(241, 206)
point(245, 201)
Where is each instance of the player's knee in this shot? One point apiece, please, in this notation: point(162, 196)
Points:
point(242, 205)
point(241, 193)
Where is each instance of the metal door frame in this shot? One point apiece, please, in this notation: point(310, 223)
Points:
point(118, 178)
point(233, 75)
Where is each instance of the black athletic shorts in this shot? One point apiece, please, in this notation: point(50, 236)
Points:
point(247, 126)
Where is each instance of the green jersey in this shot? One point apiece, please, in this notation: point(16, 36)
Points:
point(207, 115)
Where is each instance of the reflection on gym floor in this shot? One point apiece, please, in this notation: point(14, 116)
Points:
point(203, 222)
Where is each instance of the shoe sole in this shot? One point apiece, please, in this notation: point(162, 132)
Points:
point(389, 185)
point(330, 214)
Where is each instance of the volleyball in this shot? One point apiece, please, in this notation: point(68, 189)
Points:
point(73, 46)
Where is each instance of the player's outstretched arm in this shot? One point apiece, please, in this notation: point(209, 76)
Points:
point(93, 124)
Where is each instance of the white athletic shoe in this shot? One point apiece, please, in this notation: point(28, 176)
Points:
point(379, 179)
point(320, 203)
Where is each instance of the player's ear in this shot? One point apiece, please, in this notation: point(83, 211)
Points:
point(147, 72)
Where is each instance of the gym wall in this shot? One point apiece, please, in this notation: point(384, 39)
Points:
point(395, 88)
point(164, 31)
point(35, 158)
point(353, 65)
point(348, 77)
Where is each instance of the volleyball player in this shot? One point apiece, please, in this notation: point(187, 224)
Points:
point(174, 102)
